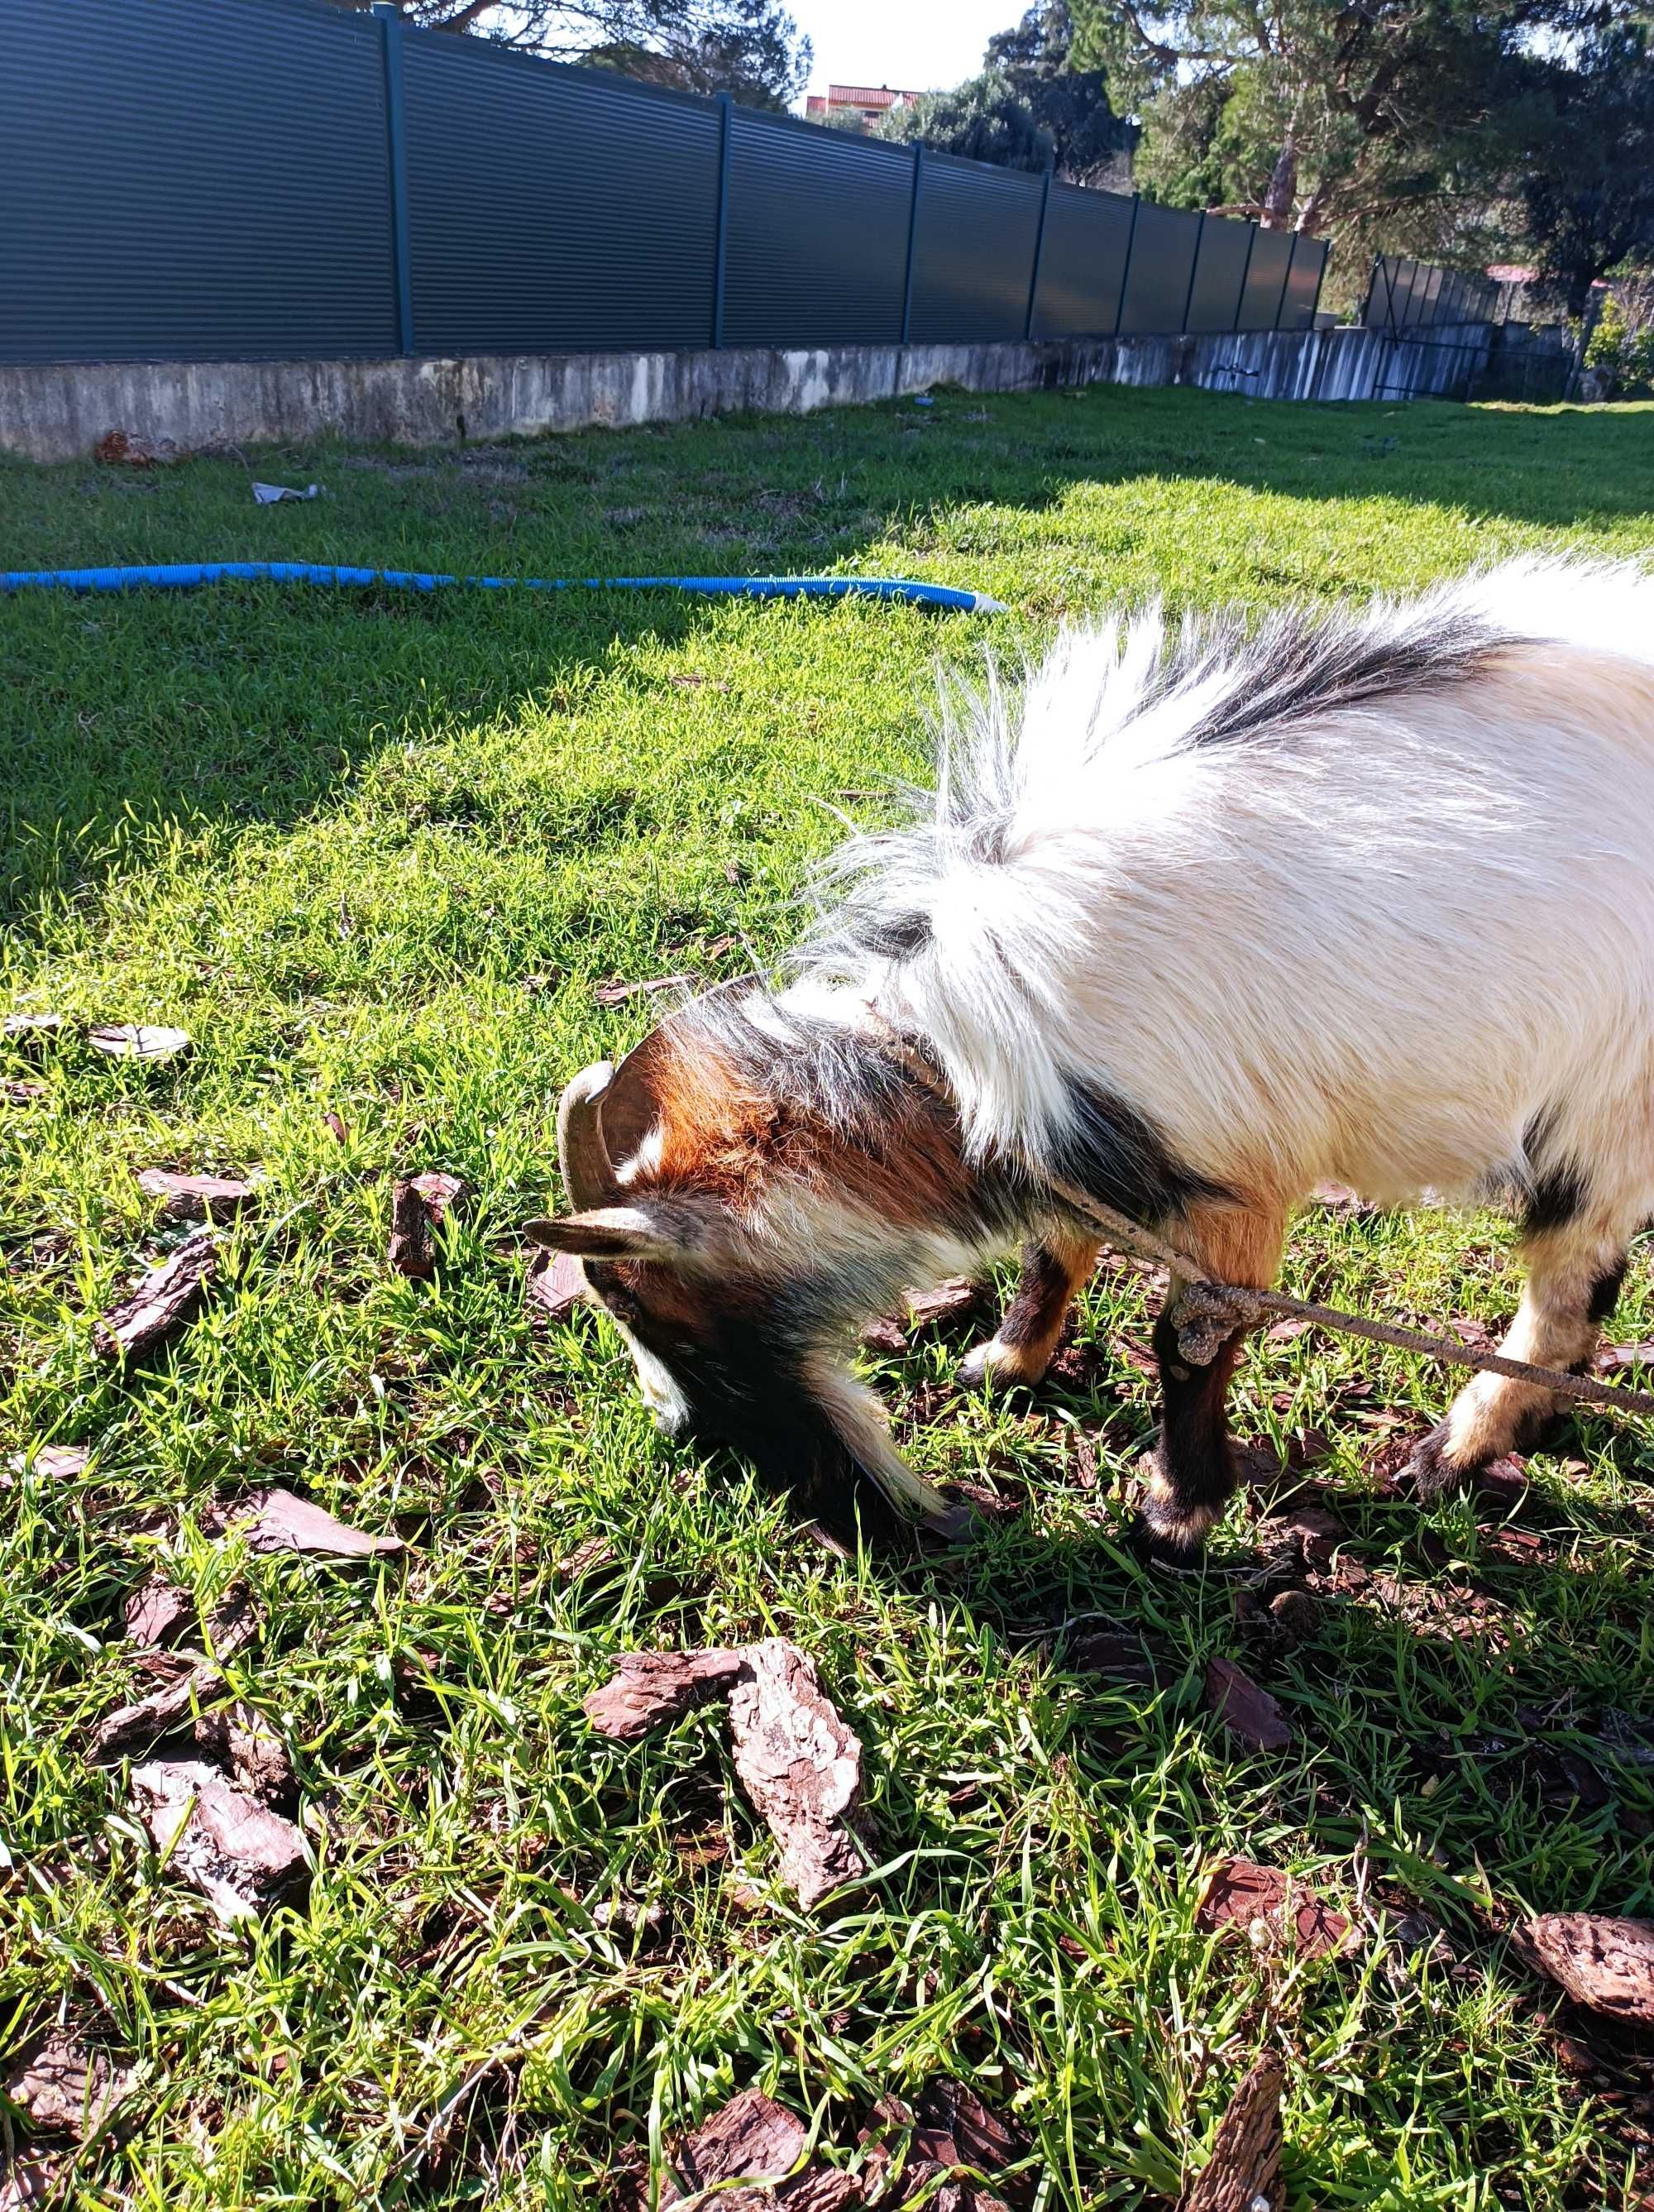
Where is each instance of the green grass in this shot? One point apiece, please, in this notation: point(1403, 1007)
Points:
point(373, 852)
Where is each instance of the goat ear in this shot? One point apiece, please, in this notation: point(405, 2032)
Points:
point(612, 1232)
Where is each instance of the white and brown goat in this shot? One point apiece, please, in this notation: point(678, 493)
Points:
point(1200, 920)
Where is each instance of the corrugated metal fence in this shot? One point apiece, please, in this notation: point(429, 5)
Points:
point(275, 179)
point(1404, 296)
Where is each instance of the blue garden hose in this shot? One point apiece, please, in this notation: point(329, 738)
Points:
point(185, 575)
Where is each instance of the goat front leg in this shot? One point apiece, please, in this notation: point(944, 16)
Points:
point(1574, 1273)
point(1053, 1271)
point(1188, 1476)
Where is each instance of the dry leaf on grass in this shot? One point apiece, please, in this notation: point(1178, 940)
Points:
point(419, 1204)
point(1243, 2174)
point(1111, 1652)
point(1246, 1710)
point(752, 2138)
point(27, 2182)
point(195, 1197)
point(138, 1041)
point(338, 1127)
point(615, 992)
point(164, 1299)
point(239, 1855)
point(1601, 1962)
point(131, 449)
point(1613, 1357)
point(1242, 1894)
point(286, 1523)
point(20, 1028)
point(68, 2088)
point(800, 1766)
point(18, 1092)
point(649, 1688)
point(555, 1285)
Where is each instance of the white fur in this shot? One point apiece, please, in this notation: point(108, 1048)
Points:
point(1374, 947)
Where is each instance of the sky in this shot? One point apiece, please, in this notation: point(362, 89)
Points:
point(914, 44)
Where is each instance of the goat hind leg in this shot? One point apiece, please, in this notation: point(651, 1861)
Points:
point(1574, 1274)
point(1019, 1351)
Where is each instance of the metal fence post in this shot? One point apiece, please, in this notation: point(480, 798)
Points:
point(721, 235)
point(1125, 266)
point(1246, 272)
point(395, 142)
point(1320, 279)
point(913, 237)
point(1286, 282)
point(1038, 254)
point(1194, 271)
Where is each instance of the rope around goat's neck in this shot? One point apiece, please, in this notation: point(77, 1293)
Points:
point(1204, 1310)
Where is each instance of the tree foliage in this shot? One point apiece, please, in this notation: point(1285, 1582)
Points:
point(1587, 183)
point(1030, 107)
point(751, 48)
point(1392, 121)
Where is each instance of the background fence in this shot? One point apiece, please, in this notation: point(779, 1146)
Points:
point(1405, 294)
point(275, 179)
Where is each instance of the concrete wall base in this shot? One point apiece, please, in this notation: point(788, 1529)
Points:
point(58, 411)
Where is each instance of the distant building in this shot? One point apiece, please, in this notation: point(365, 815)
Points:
point(856, 106)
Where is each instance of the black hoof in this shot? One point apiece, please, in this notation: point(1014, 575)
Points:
point(1429, 1473)
point(1169, 1554)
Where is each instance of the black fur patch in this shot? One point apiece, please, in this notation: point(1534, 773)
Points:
point(1605, 1293)
point(1555, 1199)
point(1041, 1301)
point(892, 937)
point(1115, 1154)
point(1299, 667)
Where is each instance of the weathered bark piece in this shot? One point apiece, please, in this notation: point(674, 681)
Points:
point(418, 1204)
point(615, 992)
point(556, 1284)
point(68, 2087)
point(1120, 1656)
point(286, 1523)
point(195, 1197)
point(653, 1687)
point(60, 1462)
point(886, 1335)
point(1243, 2174)
point(138, 1041)
point(20, 1029)
point(1240, 1894)
point(137, 1726)
point(17, 1090)
point(164, 1297)
point(952, 2129)
point(242, 1857)
point(1603, 1962)
point(1247, 1711)
point(243, 1740)
point(752, 2138)
point(158, 1612)
point(27, 2182)
point(800, 1765)
point(953, 1300)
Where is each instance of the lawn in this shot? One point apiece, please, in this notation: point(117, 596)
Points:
point(375, 853)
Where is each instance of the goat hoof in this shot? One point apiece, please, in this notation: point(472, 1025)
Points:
point(1429, 1473)
point(1174, 1555)
point(996, 1364)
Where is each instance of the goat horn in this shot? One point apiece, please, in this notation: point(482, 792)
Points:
point(588, 1176)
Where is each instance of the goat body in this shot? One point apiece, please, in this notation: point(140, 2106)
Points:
point(1197, 921)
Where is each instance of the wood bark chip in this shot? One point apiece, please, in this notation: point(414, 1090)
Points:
point(653, 1687)
point(1247, 1711)
point(752, 2139)
point(55, 1463)
point(1107, 1651)
point(164, 1299)
point(158, 1612)
point(25, 1028)
point(555, 1285)
point(797, 1760)
point(1243, 2174)
point(17, 1092)
point(138, 1041)
point(241, 1855)
point(952, 2129)
point(240, 1741)
point(1243, 1895)
point(68, 2087)
point(138, 1726)
point(195, 1197)
point(337, 1127)
point(1601, 1962)
point(419, 1204)
point(953, 1300)
point(800, 1766)
point(286, 1523)
point(28, 2182)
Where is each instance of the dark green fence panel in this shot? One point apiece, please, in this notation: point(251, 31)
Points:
point(1220, 272)
point(973, 251)
point(182, 183)
point(1162, 262)
point(1081, 264)
point(1309, 258)
point(553, 211)
point(817, 244)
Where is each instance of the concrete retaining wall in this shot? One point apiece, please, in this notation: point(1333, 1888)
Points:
point(58, 412)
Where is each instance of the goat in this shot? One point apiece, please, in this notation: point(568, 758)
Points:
point(1202, 919)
